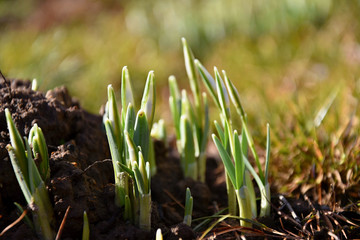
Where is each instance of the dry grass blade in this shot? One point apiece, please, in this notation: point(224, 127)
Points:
point(14, 223)
point(61, 228)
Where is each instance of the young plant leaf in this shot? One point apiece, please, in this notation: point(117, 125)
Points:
point(190, 70)
point(18, 148)
point(222, 95)
point(229, 166)
point(86, 229)
point(39, 147)
point(148, 99)
point(188, 208)
point(114, 117)
point(127, 95)
point(208, 81)
point(142, 133)
point(188, 148)
point(239, 163)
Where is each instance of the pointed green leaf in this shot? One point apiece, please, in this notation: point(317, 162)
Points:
point(159, 235)
point(187, 145)
point(142, 133)
point(206, 130)
point(114, 148)
point(17, 146)
point(130, 120)
point(148, 99)
point(209, 82)
point(239, 165)
point(190, 70)
point(267, 154)
point(86, 229)
point(229, 166)
point(175, 112)
point(19, 174)
point(39, 147)
point(127, 95)
point(188, 207)
point(244, 143)
point(34, 175)
point(221, 95)
point(131, 148)
point(144, 172)
point(220, 132)
point(234, 95)
point(114, 117)
point(174, 89)
point(138, 178)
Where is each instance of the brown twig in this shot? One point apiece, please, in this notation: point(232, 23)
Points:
point(15, 222)
point(173, 198)
point(61, 228)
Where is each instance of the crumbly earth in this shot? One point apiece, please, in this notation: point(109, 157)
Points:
point(81, 172)
point(82, 178)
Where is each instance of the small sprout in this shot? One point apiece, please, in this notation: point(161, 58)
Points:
point(39, 147)
point(158, 131)
point(86, 229)
point(142, 178)
point(188, 207)
point(148, 99)
point(197, 115)
point(129, 138)
point(34, 85)
point(159, 235)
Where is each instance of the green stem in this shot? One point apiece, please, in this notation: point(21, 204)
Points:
point(231, 196)
point(202, 167)
point(42, 213)
point(265, 201)
point(244, 206)
point(145, 212)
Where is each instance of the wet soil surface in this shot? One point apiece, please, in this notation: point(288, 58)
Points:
point(82, 178)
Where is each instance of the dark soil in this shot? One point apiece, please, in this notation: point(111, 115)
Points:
point(82, 178)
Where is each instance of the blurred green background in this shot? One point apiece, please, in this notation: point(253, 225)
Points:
point(286, 57)
point(276, 52)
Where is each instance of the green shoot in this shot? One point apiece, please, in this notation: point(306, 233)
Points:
point(188, 149)
point(142, 177)
point(188, 208)
point(159, 235)
point(132, 149)
point(30, 181)
point(86, 229)
point(40, 151)
point(261, 179)
point(230, 147)
point(34, 85)
point(188, 118)
point(158, 131)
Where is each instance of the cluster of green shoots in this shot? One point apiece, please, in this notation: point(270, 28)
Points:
point(233, 149)
point(191, 121)
point(131, 149)
point(32, 178)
